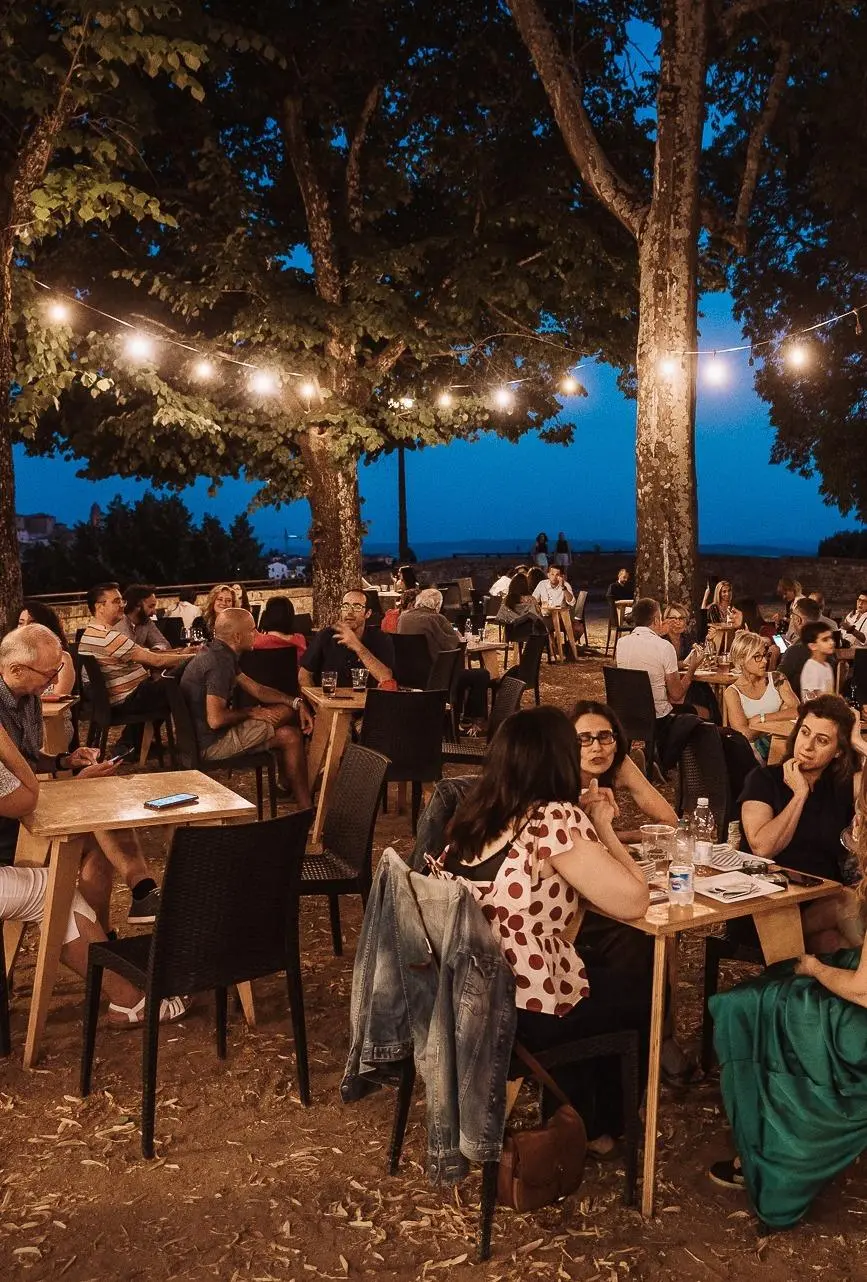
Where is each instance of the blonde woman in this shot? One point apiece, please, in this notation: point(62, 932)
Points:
point(759, 697)
point(220, 598)
point(793, 1072)
point(718, 610)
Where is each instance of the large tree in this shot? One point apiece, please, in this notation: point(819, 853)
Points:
point(72, 110)
point(443, 249)
point(709, 101)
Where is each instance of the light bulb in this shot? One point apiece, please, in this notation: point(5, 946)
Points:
point(569, 385)
point(307, 390)
point(203, 370)
point(139, 347)
point(798, 355)
point(715, 372)
point(503, 398)
point(444, 400)
point(407, 402)
point(668, 367)
point(263, 383)
point(59, 313)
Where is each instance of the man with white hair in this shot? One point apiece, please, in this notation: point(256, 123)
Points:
point(425, 620)
point(30, 658)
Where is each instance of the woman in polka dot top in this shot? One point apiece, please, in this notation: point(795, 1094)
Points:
point(529, 854)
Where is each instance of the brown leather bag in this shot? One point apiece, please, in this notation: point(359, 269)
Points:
point(541, 1165)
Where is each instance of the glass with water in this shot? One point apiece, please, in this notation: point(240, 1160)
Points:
point(359, 679)
point(329, 683)
point(657, 843)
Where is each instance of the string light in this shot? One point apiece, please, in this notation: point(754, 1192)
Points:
point(263, 382)
point(307, 390)
point(445, 400)
point(569, 385)
point(715, 371)
point(797, 355)
point(407, 402)
point(203, 371)
point(58, 312)
point(503, 398)
point(139, 347)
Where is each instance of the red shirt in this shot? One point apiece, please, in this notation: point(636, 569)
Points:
point(271, 641)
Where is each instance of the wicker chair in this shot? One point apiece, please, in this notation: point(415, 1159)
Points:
point(529, 665)
point(617, 625)
point(628, 692)
point(275, 668)
point(624, 1045)
point(469, 751)
point(228, 914)
point(406, 727)
point(5, 1034)
point(187, 750)
point(412, 661)
point(104, 715)
point(579, 624)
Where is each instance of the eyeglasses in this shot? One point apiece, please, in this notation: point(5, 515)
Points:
point(603, 737)
point(46, 676)
point(355, 606)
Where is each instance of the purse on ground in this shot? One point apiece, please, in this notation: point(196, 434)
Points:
point(544, 1164)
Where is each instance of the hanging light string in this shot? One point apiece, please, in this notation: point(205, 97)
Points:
point(780, 340)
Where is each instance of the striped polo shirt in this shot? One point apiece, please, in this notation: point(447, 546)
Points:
point(110, 649)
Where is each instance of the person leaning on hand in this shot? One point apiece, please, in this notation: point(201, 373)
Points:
point(349, 644)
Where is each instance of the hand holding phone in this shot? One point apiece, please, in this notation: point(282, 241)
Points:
point(125, 752)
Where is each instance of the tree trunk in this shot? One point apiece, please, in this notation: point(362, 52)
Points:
point(666, 504)
point(402, 533)
point(335, 527)
point(10, 564)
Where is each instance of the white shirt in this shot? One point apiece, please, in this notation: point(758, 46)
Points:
point(857, 622)
point(501, 587)
point(187, 611)
point(644, 650)
point(555, 598)
point(817, 676)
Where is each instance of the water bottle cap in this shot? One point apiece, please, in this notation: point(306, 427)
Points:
point(703, 801)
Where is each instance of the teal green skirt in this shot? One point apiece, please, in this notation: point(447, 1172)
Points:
point(793, 1060)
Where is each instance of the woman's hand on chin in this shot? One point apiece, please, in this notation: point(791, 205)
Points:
point(599, 803)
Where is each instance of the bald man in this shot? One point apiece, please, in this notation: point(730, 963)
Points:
point(208, 684)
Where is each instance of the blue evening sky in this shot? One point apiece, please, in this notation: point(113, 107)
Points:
point(503, 493)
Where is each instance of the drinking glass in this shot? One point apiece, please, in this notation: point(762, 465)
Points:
point(657, 843)
point(329, 683)
point(359, 679)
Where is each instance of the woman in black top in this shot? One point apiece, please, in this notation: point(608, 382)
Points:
point(795, 812)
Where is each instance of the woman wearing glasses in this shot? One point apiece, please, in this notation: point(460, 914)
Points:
point(758, 698)
point(603, 746)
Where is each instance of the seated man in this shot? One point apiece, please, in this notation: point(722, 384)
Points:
point(137, 620)
point(349, 644)
point(556, 598)
point(424, 619)
point(855, 622)
point(646, 650)
point(804, 611)
point(124, 664)
point(22, 898)
point(208, 683)
point(30, 658)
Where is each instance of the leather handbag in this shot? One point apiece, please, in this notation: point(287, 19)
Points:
point(544, 1164)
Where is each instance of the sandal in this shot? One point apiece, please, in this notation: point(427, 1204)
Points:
point(728, 1174)
point(171, 1009)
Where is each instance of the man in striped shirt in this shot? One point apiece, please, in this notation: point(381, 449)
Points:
point(125, 665)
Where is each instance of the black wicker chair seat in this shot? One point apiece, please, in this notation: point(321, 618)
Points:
point(326, 868)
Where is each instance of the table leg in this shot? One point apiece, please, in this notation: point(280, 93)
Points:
point(319, 741)
point(341, 722)
point(245, 992)
point(780, 933)
point(146, 741)
point(491, 661)
point(62, 876)
point(652, 1103)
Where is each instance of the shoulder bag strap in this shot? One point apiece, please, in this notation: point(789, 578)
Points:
point(541, 1074)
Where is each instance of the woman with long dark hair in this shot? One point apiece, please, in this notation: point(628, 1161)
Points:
point(38, 612)
point(277, 627)
point(603, 748)
point(529, 854)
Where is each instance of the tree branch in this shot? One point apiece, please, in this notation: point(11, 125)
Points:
point(742, 9)
point(385, 362)
point(581, 142)
point(759, 133)
point(353, 162)
point(320, 227)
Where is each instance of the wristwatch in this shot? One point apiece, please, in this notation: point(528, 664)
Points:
point(61, 756)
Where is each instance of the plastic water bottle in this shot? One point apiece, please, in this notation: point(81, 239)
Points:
point(681, 870)
point(703, 830)
point(468, 630)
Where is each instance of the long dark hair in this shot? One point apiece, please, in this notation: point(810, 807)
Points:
point(536, 576)
point(831, 707)
point(591, 707)
point(41, 613)
point(533, 759)
point(518, 589)
point(278, 615)
point(753, 621)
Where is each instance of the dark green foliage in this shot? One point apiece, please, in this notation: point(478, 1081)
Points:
point(850, 544)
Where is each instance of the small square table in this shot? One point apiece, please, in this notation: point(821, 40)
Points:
point(53, 834)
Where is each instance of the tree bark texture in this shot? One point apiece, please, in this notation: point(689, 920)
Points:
point(666, 502)
point(335, 528)
point(10, 563)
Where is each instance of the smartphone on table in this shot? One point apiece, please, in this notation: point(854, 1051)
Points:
point(173, 799)
point(800, 878)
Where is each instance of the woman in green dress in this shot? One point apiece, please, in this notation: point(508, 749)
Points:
point(792, 1047)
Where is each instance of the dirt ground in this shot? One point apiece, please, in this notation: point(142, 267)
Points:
point(249, 1186)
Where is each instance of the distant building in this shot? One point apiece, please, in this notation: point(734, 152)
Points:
point(40, 528)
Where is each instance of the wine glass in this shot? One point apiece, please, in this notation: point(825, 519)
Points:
point(329, 683)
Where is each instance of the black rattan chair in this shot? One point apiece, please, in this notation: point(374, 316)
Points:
point(528, 667)
point(275, 668)
point(579, 623)
point(617, 624)
point(172, 628)
point(344, 865)
point(228, 914)
point(5, 1034)
point(702, 772)
point(468, 751)
point(412, 661)
point(628, 692)
point(407, 727)
point(105, 716)
point(623, 1045)
point(188, 752)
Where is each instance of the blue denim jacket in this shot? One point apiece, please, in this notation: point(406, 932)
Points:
point(453, 1009)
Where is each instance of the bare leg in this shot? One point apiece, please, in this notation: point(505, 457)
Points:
point(292, 768)
point(74, 955)
point(95, 881)
point(123, 852)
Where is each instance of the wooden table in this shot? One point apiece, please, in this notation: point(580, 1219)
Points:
point(489, 653)
point(330, 733)
point(844, 656)
point(53, 834)
point(778, 925)
point(719, 679)
point(725, 631)
point(55, 731)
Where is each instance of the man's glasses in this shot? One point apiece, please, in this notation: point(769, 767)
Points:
point(46, 676)
point(604, 737)
point(354, 606)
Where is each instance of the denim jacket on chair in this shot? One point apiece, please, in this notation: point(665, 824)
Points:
point(454, 1010)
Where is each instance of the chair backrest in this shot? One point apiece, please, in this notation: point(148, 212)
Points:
point(186, 739)
point(444, 670)
point(465, 587)
point(304, 624)
point(275, 668)
point(580, 604)
point(352, 806)
point(412, 661)
point(628, 692)
point(508, 700)
point(451, 595)
point(407, 727)
point(229, 904)
point(702, 772)
point(172, 629)
point(97, 689)
point(527, 668)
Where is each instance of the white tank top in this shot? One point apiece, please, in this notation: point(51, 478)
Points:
point(770, 701)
